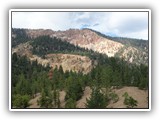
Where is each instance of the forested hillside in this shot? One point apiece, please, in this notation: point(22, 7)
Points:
point(30, 78)
point(45, 45)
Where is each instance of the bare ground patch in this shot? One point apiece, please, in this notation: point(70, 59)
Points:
point(140, 95)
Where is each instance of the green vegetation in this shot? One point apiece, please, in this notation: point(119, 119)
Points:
point(30, 78)
point(45, 100)
point(27, 79)
point(20, 37)
point(20, 101)
point(129, 101)
point(97, 99)
point(70, 103)
point(45, 45)
point(114, 97)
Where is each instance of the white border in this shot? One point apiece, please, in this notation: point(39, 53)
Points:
point(10, 59)
point(88, 10)
point(150, 56)
point(76, 10)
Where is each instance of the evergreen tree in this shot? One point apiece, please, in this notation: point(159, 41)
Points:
point(45, 101)
point(20, 101)
point(97, 99)
point(74, 89)
point(70, 103)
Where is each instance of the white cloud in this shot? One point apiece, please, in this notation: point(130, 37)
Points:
point(45, 20)
point(126, 24)
point(143, 34)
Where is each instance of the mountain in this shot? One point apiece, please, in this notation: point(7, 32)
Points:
point(77, 68)
point(131, 50)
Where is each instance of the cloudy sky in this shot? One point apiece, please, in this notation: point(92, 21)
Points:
point(124, 24)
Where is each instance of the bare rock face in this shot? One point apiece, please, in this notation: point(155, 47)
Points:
point(83, 38)
point(90, 40)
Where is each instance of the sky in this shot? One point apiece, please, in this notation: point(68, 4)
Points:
point(122, 24)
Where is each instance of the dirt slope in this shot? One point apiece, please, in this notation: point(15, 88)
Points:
point(140, 95)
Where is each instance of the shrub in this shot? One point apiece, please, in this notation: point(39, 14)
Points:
point(129, 101)
point(21, 101)
point(114, 97)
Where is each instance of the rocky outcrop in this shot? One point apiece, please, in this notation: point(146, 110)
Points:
point(90, 40)
point(83, 38)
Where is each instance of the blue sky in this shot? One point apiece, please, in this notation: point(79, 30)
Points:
point(124, 24)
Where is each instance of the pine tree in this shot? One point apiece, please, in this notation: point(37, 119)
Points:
point(70, 103)
point(97, 99)
point(45, 101)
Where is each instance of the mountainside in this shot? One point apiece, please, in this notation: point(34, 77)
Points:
point(77, 68)
point(132, 51)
